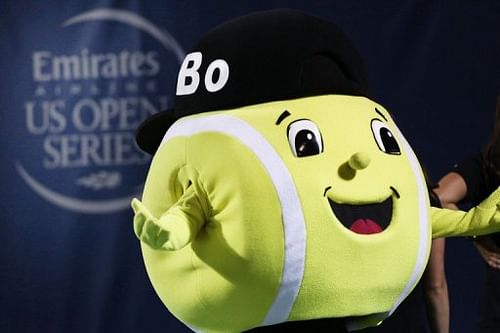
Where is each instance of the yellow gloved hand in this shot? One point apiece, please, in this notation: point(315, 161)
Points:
point(174, 229)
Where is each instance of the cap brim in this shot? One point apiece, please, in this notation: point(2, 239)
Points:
point(151, 131)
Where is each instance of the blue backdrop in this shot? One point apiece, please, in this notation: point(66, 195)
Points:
point(77, 77)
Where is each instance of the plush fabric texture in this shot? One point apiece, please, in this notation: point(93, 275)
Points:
point(228, 278)
point(264, 239)
point(282, 192)
point(480, 220)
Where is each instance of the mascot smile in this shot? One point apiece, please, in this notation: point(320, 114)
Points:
point(278, 190)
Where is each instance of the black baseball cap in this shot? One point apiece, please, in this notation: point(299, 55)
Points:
point(264, 56)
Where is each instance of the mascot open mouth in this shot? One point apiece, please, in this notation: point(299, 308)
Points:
point(364, 219)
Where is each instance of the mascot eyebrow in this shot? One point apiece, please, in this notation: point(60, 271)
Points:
point(380, 113)
point(282, 116)
point(286, 114)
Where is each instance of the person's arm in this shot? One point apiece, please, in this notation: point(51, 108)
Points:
point(436, 289)
point(451, 190)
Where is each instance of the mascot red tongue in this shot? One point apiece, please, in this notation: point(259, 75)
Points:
point(366, 226)
point(280, 195)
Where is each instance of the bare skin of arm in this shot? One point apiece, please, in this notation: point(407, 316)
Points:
point(452, 189)
point(436, 289)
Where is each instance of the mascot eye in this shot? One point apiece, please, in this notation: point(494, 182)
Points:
point(304, 138)
point(384, 138)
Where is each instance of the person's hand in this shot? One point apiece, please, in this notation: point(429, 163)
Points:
point(488, 250)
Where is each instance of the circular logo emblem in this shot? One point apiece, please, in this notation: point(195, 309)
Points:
point(84, 107)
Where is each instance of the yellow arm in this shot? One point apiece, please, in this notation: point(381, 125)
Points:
point(480, 220)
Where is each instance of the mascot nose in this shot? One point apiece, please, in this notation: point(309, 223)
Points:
point(359, 160)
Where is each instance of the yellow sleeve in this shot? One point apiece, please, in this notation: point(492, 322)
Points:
point(480, 220)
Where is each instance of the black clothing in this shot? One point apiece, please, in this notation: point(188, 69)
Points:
point(480, 183)
point(326, 325)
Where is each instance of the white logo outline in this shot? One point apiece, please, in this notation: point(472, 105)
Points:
point(122, 203)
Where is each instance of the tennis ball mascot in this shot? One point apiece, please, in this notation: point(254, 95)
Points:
point(279, 191)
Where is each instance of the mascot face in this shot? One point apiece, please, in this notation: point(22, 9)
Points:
point(314, 212)
point(303, 199)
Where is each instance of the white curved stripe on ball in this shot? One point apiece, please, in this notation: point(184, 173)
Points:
point(293, 217)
